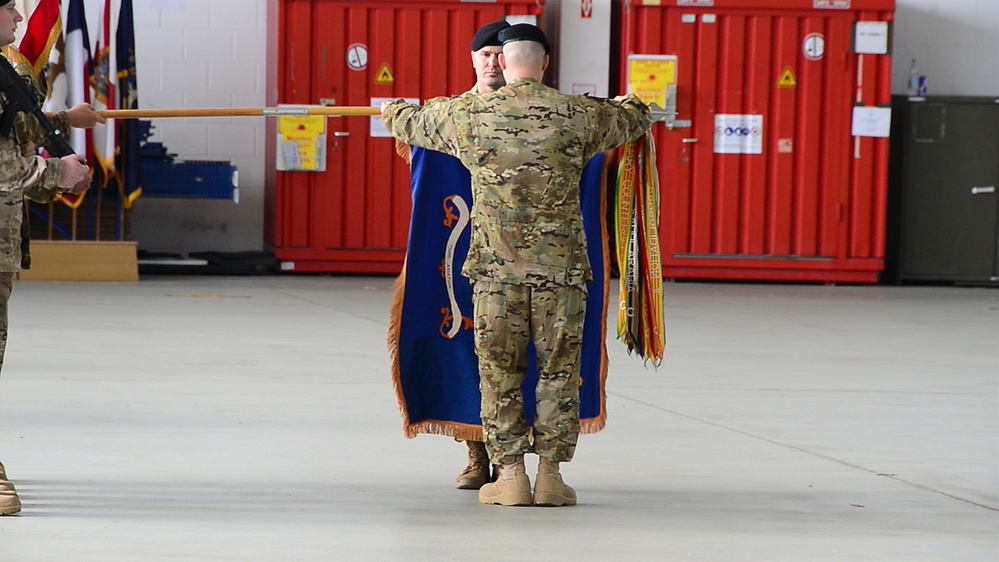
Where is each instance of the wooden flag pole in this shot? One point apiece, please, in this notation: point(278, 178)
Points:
point(290, 111)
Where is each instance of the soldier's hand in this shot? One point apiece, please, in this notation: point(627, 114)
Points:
point(73, 173)
point(82, 186)
point(390, 102)
point(28, 150)
point(83, 116)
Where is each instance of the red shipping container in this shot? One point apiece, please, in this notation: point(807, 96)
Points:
point(354, 217)
point(800, 198)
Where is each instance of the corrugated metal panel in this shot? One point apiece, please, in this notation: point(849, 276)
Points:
point(811, 206)
point(354, 218)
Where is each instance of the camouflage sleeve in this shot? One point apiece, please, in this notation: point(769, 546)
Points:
point(618, 122)
point(60, 120)
point(37, 178)
point(28, 129)
point(431, 126)
point(47, 187)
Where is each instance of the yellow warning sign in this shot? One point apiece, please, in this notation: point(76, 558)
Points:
point(302, 143)
point(649, 77)
point(786, 79)
point(384, 75)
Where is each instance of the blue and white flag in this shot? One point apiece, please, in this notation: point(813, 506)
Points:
point(71, 87)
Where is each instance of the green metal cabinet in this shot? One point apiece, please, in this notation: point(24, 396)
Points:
point(949, 205)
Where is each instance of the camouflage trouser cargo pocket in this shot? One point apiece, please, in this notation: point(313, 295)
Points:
point(507, 317)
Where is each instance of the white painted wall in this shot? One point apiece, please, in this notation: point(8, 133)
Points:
point(584, 50)
point(955, 42)
point(198, 54)
point(194, 54)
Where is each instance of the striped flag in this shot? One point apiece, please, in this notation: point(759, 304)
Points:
point(103, 84)
point(43, 29)
point(69, 75)
point(69, 71)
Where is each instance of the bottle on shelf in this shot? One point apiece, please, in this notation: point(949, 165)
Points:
point(917, 82)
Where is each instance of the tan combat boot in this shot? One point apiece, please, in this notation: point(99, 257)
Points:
point(3, 472)
point(477, 472)
point(549, 489)
point(512, 487)
point(9, 502)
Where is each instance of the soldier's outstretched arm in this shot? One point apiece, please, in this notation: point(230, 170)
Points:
point(431, 126)
point(84, 116)
point(620, 120)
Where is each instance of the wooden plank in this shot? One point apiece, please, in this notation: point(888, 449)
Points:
point(81, 261)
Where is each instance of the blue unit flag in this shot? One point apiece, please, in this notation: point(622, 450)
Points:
point(434, 367)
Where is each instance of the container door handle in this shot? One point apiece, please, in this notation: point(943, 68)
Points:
point(983, 189)
point(341, 134)
point(688, 141)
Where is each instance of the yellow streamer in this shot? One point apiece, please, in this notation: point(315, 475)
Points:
point(641, 322)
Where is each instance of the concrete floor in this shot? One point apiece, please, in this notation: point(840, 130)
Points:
point(219, 418)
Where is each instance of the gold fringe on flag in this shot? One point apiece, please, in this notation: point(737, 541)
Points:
point(641, 323)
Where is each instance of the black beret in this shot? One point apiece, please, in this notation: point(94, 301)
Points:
point(524, 32)
point(486, 35)
point(4, 2)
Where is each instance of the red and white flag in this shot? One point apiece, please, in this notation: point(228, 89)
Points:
point(104, 84)
point(40, 33)
point(69, 71)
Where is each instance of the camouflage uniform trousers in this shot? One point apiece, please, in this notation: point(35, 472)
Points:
point(6, 285)
point(507, 318)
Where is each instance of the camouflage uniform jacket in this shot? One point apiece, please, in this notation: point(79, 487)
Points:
point(525, 146)
point(33, 177)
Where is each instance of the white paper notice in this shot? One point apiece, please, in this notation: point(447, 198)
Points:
point(739, 134)
point(870, 38)
point(288, 158)
point(871, 122)
point(377, 127)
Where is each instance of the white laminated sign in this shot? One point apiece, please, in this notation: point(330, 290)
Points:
point(738, 134)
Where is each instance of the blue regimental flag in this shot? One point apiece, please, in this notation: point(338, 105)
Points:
point(127, 158)
point(434, 367)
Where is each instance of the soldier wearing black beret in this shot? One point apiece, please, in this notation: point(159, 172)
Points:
point(486, 48)
point(488, 35)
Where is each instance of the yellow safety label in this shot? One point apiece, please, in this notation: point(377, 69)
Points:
point(384, 75)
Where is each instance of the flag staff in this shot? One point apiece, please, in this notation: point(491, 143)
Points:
point(658, 113)
point(290, 111)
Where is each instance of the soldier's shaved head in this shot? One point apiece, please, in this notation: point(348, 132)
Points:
point(523, 59)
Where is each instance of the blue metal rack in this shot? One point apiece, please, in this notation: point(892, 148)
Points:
point(165, 177)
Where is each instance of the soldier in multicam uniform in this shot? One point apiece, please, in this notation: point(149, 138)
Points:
point(486, 49)
point(22, 174)
point(525, 146)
